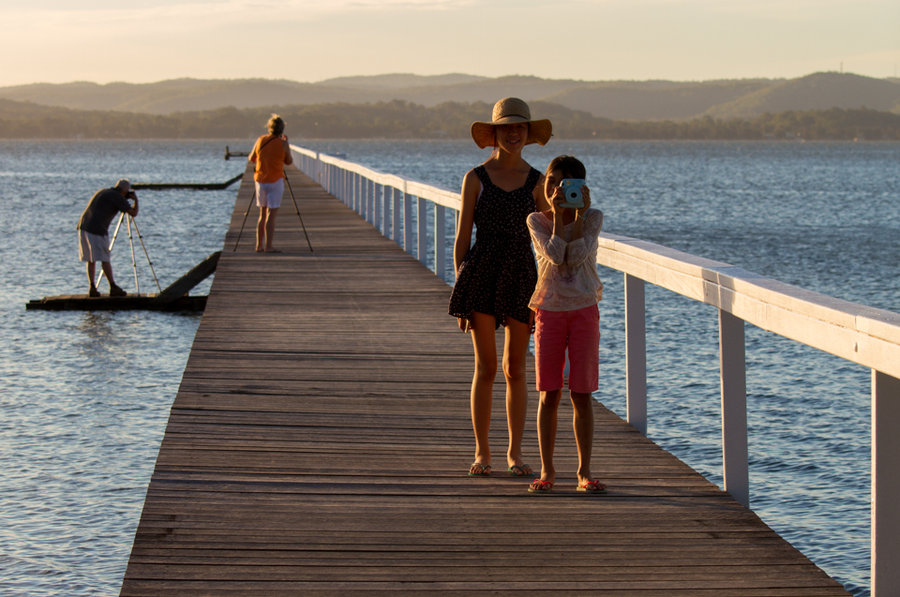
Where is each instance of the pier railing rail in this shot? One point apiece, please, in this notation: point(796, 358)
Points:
point(864, 335)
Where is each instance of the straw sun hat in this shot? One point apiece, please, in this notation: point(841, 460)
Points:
point(511, 110)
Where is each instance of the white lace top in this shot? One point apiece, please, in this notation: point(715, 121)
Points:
point(567, 270)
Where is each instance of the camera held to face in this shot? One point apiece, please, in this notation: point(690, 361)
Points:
point(571, 190)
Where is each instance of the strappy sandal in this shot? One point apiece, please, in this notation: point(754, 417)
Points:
point(540, 487)
point(592, 487)
point(479, 470)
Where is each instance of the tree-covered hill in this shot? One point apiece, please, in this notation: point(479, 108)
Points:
point(618, 100)
point(403, 120)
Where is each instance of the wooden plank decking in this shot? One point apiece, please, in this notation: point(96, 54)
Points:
point(319, 443)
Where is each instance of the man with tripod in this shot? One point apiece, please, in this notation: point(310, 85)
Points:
point(93, 231)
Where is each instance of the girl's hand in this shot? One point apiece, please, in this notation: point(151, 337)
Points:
point(586, 195)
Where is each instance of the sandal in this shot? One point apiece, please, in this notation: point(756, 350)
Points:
point(520, 470)
point(592, 487)
point(479, 470)
point(540, 487)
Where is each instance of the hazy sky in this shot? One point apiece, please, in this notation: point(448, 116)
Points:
point(311, 40)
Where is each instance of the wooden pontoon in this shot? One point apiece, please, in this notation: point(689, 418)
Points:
point(173, 298)
point(197, 186)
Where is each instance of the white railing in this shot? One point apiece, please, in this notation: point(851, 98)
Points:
point(863, 335)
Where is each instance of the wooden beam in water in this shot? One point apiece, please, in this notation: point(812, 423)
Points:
point(197, 186)
point(185, 283)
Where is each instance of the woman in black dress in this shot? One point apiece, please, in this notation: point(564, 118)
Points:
point(496, 276)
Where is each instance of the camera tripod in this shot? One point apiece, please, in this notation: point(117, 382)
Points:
point(129, 222)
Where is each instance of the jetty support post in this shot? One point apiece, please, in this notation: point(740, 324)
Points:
point(440, 244)
point(885, 484)
point(421, 230)
point(635, 354)
point(407, 221)
point(732, 370)
point(371, 204)
point(396, 215)
point(385, 209)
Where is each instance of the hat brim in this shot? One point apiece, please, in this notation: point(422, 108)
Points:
point(539, 131)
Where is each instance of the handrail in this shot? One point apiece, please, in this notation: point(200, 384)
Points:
point(861, 334)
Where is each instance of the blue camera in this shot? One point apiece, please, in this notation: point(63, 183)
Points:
point(571, 189)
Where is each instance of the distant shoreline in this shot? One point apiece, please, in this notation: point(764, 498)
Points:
point(402, 120)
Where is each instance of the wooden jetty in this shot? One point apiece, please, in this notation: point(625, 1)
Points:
point(174, 297)
point(320, 438)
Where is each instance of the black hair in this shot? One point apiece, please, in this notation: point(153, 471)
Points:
point(568, 166)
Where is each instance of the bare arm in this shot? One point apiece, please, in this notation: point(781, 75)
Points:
point(471, 187)
point(540, 199)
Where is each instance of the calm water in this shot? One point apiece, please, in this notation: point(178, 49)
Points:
point(85, 397)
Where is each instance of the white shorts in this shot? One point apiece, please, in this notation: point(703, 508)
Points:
point(93, 247)
point(268, 194)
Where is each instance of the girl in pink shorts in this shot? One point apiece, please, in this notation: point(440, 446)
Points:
point(566, 317)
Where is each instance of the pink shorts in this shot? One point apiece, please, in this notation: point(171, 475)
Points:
point(579, 331)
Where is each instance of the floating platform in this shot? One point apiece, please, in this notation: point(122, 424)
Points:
point(173, 298)
point(196, 186)
point(234, 154)
point(131, 302)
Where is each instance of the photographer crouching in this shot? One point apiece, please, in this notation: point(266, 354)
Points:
point(93, 231)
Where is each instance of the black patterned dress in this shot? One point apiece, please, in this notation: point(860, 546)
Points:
point(498, 274)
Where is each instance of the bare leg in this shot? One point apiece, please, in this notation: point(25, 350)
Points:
point(515, 353)
point(270, 229)
point(547, 416)
point(485, 345)
point(107, 271)
point(583, 424)
point(261, 229)
point(114, 289)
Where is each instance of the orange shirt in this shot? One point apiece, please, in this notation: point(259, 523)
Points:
point(269, 160)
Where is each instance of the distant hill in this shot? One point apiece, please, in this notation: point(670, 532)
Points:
point(661, 100)
point(818, 91)
point(615, 100)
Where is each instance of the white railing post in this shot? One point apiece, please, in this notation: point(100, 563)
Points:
point(363, 197)
point(370, 201)
point(385, 211)
point(407, 222)
point(396, 215)
point(422, 234)
point(732, 371)
point(885, 484)
point(440, 246)
point(347, 188)
point(635, 354)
